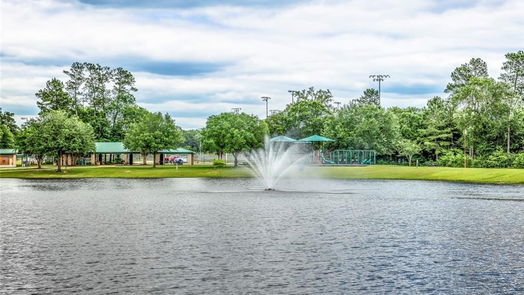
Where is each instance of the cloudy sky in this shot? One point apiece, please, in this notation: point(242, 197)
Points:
point(194, 58)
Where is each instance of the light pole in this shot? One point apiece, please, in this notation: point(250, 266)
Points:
point(266, 99)
point(379, 78)
point(293, 92)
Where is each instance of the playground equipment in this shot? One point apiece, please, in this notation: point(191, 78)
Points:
point(349, 157)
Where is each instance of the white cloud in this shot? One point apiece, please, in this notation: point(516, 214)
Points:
point(266, 51)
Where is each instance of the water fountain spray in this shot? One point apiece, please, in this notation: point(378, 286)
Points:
point(273, 161)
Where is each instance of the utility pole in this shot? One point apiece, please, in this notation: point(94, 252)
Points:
point(266, 99)
point(236, 110)
point(379, 78)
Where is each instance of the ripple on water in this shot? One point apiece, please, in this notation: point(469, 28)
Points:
point(227, 236)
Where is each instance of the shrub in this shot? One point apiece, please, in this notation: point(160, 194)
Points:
point(519, 161)
point(497, 159)
point(453, 158)
point(219, 163)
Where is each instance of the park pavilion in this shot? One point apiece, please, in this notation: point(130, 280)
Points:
point(7, 158)
point(107, 152)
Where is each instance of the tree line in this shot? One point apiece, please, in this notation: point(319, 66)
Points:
point(480, 123)
point(96, 103)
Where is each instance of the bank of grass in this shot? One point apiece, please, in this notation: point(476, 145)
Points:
point(477, 175)
point(168, 171)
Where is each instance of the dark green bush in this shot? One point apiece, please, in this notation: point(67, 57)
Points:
point(219, 163)
point(453, 158)
point(519, 161)
point(497, 159)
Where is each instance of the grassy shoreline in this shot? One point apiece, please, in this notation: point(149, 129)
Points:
point(473, 175)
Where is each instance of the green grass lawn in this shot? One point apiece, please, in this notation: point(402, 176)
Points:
point(479, 175)
point(124, 172)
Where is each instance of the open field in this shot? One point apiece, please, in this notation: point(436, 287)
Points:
point(478, 175)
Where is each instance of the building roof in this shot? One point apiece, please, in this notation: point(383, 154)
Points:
point(7, 152)
point(110, 148)
point(315, 138)
point(118, 148)
point(176, 151)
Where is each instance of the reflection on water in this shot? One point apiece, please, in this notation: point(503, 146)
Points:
point(228, 236)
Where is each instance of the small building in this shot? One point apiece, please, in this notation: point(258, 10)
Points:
point(7, 158)
point(107, 152)
point(176, 152)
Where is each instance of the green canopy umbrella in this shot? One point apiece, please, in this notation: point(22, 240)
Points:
point(283, 139)
point(315, 138)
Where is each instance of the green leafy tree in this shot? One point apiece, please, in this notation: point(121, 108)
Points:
point(8, 119)
point(408, 148)
point(475, 68)
point(76, 80)
point(32, 141)
point(61, 134)
point(370, 96)
point(103, 97)
point(53, 97)
point(7, 139)
point(411, 122)
point(278, 124)
point(513, 72)
point(122, 99)
point(306, 117)
point(192, 139)
point(96, 90)
point(363, 127)
point(482, 113)
point(129, 114)
point(322, 96)
point(152, 134)
point(100, 124)
point(233, 133)
point(513, 75)
point(439, 130)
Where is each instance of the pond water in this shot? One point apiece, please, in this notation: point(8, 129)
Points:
point(227, 236)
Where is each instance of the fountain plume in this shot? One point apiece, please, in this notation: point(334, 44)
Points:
point(273, 161)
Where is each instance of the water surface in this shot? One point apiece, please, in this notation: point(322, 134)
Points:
point(228, 236)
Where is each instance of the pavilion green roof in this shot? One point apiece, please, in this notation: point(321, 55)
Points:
point(315, 138)
point(176, 151)
point(7, 151)
point(118, 148)
point(110, 148)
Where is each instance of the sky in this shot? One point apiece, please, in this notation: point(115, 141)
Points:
point(196, 58)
